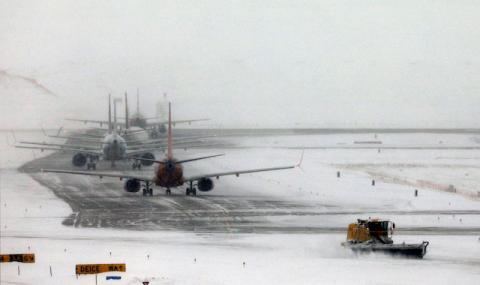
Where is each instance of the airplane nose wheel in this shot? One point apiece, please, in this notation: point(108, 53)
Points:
point(147, 191)
point(191, 190)
point(136, 165)
point(91, 164)
point(168, 192)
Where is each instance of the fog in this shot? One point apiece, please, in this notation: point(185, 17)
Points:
point(384, 64)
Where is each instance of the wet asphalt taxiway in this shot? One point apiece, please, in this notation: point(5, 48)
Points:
point(102, 203)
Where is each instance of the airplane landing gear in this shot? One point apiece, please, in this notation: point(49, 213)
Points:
point(191, 190)
point(136, 165)
point(147, 191)
point(168, 191)
point(91, 164)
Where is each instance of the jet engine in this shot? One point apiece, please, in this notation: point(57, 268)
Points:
point(147, 155)
point(132, 185)
point(205, 184)
point(79, 159)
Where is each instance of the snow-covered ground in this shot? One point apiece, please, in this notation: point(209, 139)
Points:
point(31, 219)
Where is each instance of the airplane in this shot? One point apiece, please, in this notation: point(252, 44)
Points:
point(169, 173)
point(133, 143)
point(113, 147)
point(155, 129)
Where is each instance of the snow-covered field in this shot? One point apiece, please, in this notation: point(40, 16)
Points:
point(31, 219)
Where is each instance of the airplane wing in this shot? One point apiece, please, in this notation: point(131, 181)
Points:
point(101, 174)
point(151, 124)
point(59, 145)
point(162, 145)
point(131, 132)
point(174, 122)
point(236, 173)
point(136, 149)
point(75, 150)
point(135, 152)
point(179, 161)
point(164, 140)
point(87, 139)
point(100, 122)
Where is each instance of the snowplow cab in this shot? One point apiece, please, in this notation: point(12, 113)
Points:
point(370, 230)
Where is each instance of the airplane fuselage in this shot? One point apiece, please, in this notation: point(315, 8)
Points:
point(137, 120)
point(114, 147)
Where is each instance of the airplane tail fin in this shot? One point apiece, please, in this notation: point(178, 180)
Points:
point(110, 113)
point(114, 115)
point(115, 101)
point(169, 139)
point(127, 119)
point(138, 103)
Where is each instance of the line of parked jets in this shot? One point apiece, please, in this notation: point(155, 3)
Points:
point(120, 143)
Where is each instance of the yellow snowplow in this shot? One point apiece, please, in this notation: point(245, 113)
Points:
point(375, 235)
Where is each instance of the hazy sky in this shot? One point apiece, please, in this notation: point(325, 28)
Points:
point(244, 63)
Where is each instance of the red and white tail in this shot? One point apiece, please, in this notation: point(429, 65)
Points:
point(169, 138)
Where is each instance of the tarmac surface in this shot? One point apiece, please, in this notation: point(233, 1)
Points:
point(102, 203)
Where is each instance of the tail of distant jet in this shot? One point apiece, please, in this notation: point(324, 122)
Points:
point(127, 119)
point(114, 116)
point(110, 114)
point(138, 103)
point(115, 101)
point(169, 138)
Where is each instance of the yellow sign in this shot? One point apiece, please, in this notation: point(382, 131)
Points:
point(99, 268)
point(25, 258)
